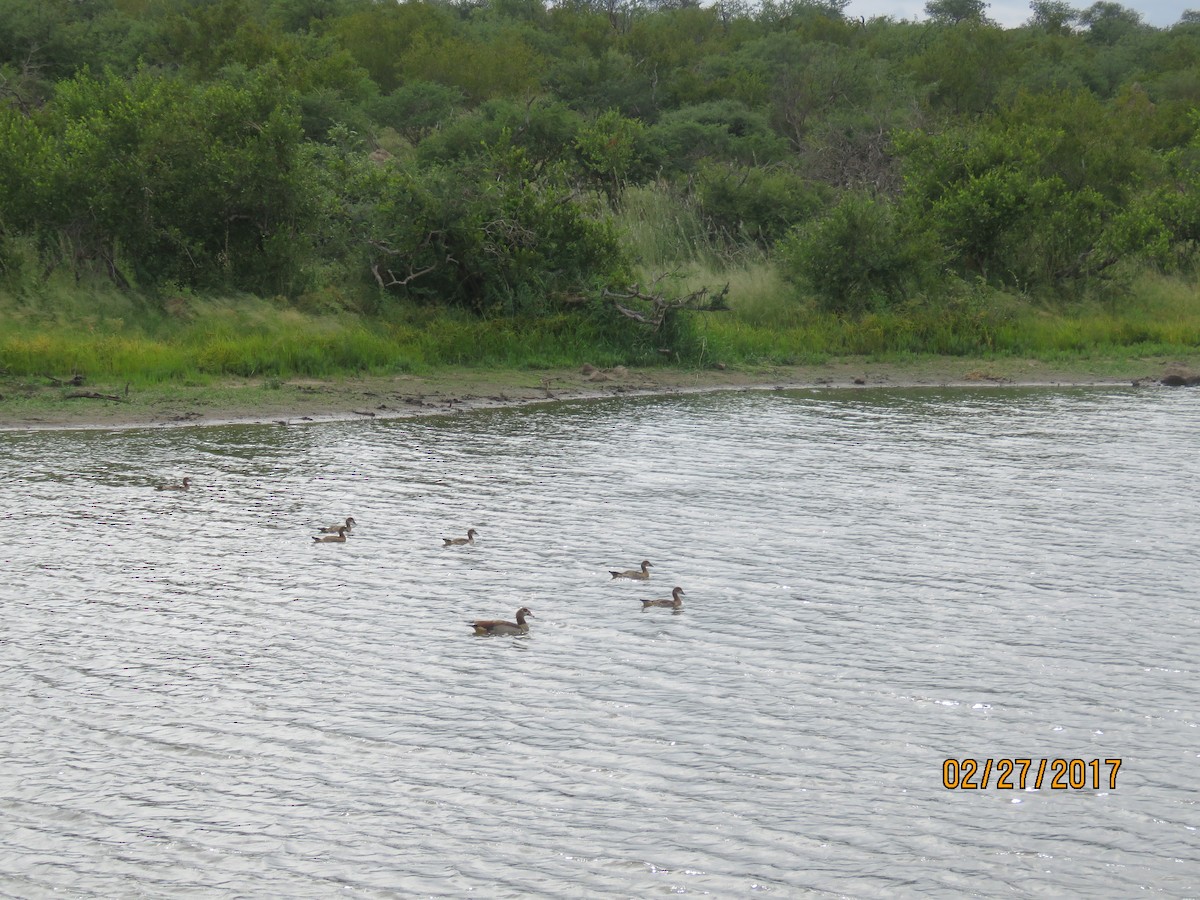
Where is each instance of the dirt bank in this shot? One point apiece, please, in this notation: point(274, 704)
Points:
point(28, 403)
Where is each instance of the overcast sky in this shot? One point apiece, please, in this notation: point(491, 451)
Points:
point(1011, 13)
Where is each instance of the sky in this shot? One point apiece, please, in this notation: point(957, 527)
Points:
point(1011, 13)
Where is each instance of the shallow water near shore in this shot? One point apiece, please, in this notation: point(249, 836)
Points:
point(200, 700)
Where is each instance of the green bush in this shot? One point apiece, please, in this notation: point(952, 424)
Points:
point(417, 108)
point(857, 258)
point(544, 130)
point(721, 130)
point(487, 237)
point(756, 203)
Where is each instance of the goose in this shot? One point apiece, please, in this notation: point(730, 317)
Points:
point(499, 626)
point(339, 538)
point(456, 542)
point(180, 486)
point(674, 602)
point(643, 575)
point(332, 529)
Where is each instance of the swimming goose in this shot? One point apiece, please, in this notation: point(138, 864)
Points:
point(499, 626)
point(674, 602)
point(339, 538)
point(643, 575)
point(181, 486)
point(332, 529)
point(456, 542)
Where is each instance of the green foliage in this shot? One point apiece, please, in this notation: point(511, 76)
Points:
point(858, 257)
point(505, 66)
point(1053, 16)
point(724, 130)
point(43, 41)
point(379, 35)
point(954, 12)
point(417, 108)
point(196, 185)
point(170, 145)
point(487, 237)
point(544, 130)
point(757, 203)
point(963, 66)
point(1040, 196)
point(607, 80)
point(611, 149)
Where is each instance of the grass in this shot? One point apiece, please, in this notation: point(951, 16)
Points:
point(61, 328)
point(192, 338)
point(253, 338)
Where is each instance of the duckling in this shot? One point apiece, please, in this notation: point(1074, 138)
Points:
point(332, 529)
point(458, 542)
point(339, 538)
point(180, 486)
point(499, 626)
point(643, 575)
point(673, 603)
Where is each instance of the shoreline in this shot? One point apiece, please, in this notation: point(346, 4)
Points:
point(38, 404)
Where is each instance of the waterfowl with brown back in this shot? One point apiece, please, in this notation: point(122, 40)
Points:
point(178, 486)
point(674, 602)
point(458, 542)
point(499, 626)
point(333, 529)
point(641, 575)
point(339, 538)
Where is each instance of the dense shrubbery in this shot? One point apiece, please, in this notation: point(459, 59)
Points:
point(478, 155)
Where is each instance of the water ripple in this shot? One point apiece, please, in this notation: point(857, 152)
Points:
point(200, 700)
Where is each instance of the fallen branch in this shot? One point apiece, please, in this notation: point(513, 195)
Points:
point(92, 395)
point(75, 380)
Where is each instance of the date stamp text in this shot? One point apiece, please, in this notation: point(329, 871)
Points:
point(1023, 774)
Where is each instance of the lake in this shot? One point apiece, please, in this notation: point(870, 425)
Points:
point(198, 700)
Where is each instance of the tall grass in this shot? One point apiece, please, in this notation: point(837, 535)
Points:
point(109, 335)
point(105, 334)
point(664, 231)
point(1158, 317)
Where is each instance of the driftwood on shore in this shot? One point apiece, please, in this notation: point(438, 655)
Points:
point(75, 380)
point(93, 395)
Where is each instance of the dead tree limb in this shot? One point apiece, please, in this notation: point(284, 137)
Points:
point(75, 380)
point(393, 280)
point(92, 395)
point(651, 307)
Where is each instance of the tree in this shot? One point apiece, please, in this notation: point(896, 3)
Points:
point(157, 180)
point(952, 12)
point(1053, 16)
point(610, 148)
point(1025, 198)
point(488, 237)
point(1108, 23)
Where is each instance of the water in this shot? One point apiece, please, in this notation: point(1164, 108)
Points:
point(199, 701)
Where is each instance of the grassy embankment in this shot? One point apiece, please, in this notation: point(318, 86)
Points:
point(112, 338)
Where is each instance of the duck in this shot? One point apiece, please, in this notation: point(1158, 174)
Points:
point(643, 575)
point(339, 538)
point(332, 529)
point(499, 626)
point(457, 542)
point(673, 603)
point(179, 486)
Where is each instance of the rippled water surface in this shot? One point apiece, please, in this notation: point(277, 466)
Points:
point(198, 700)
